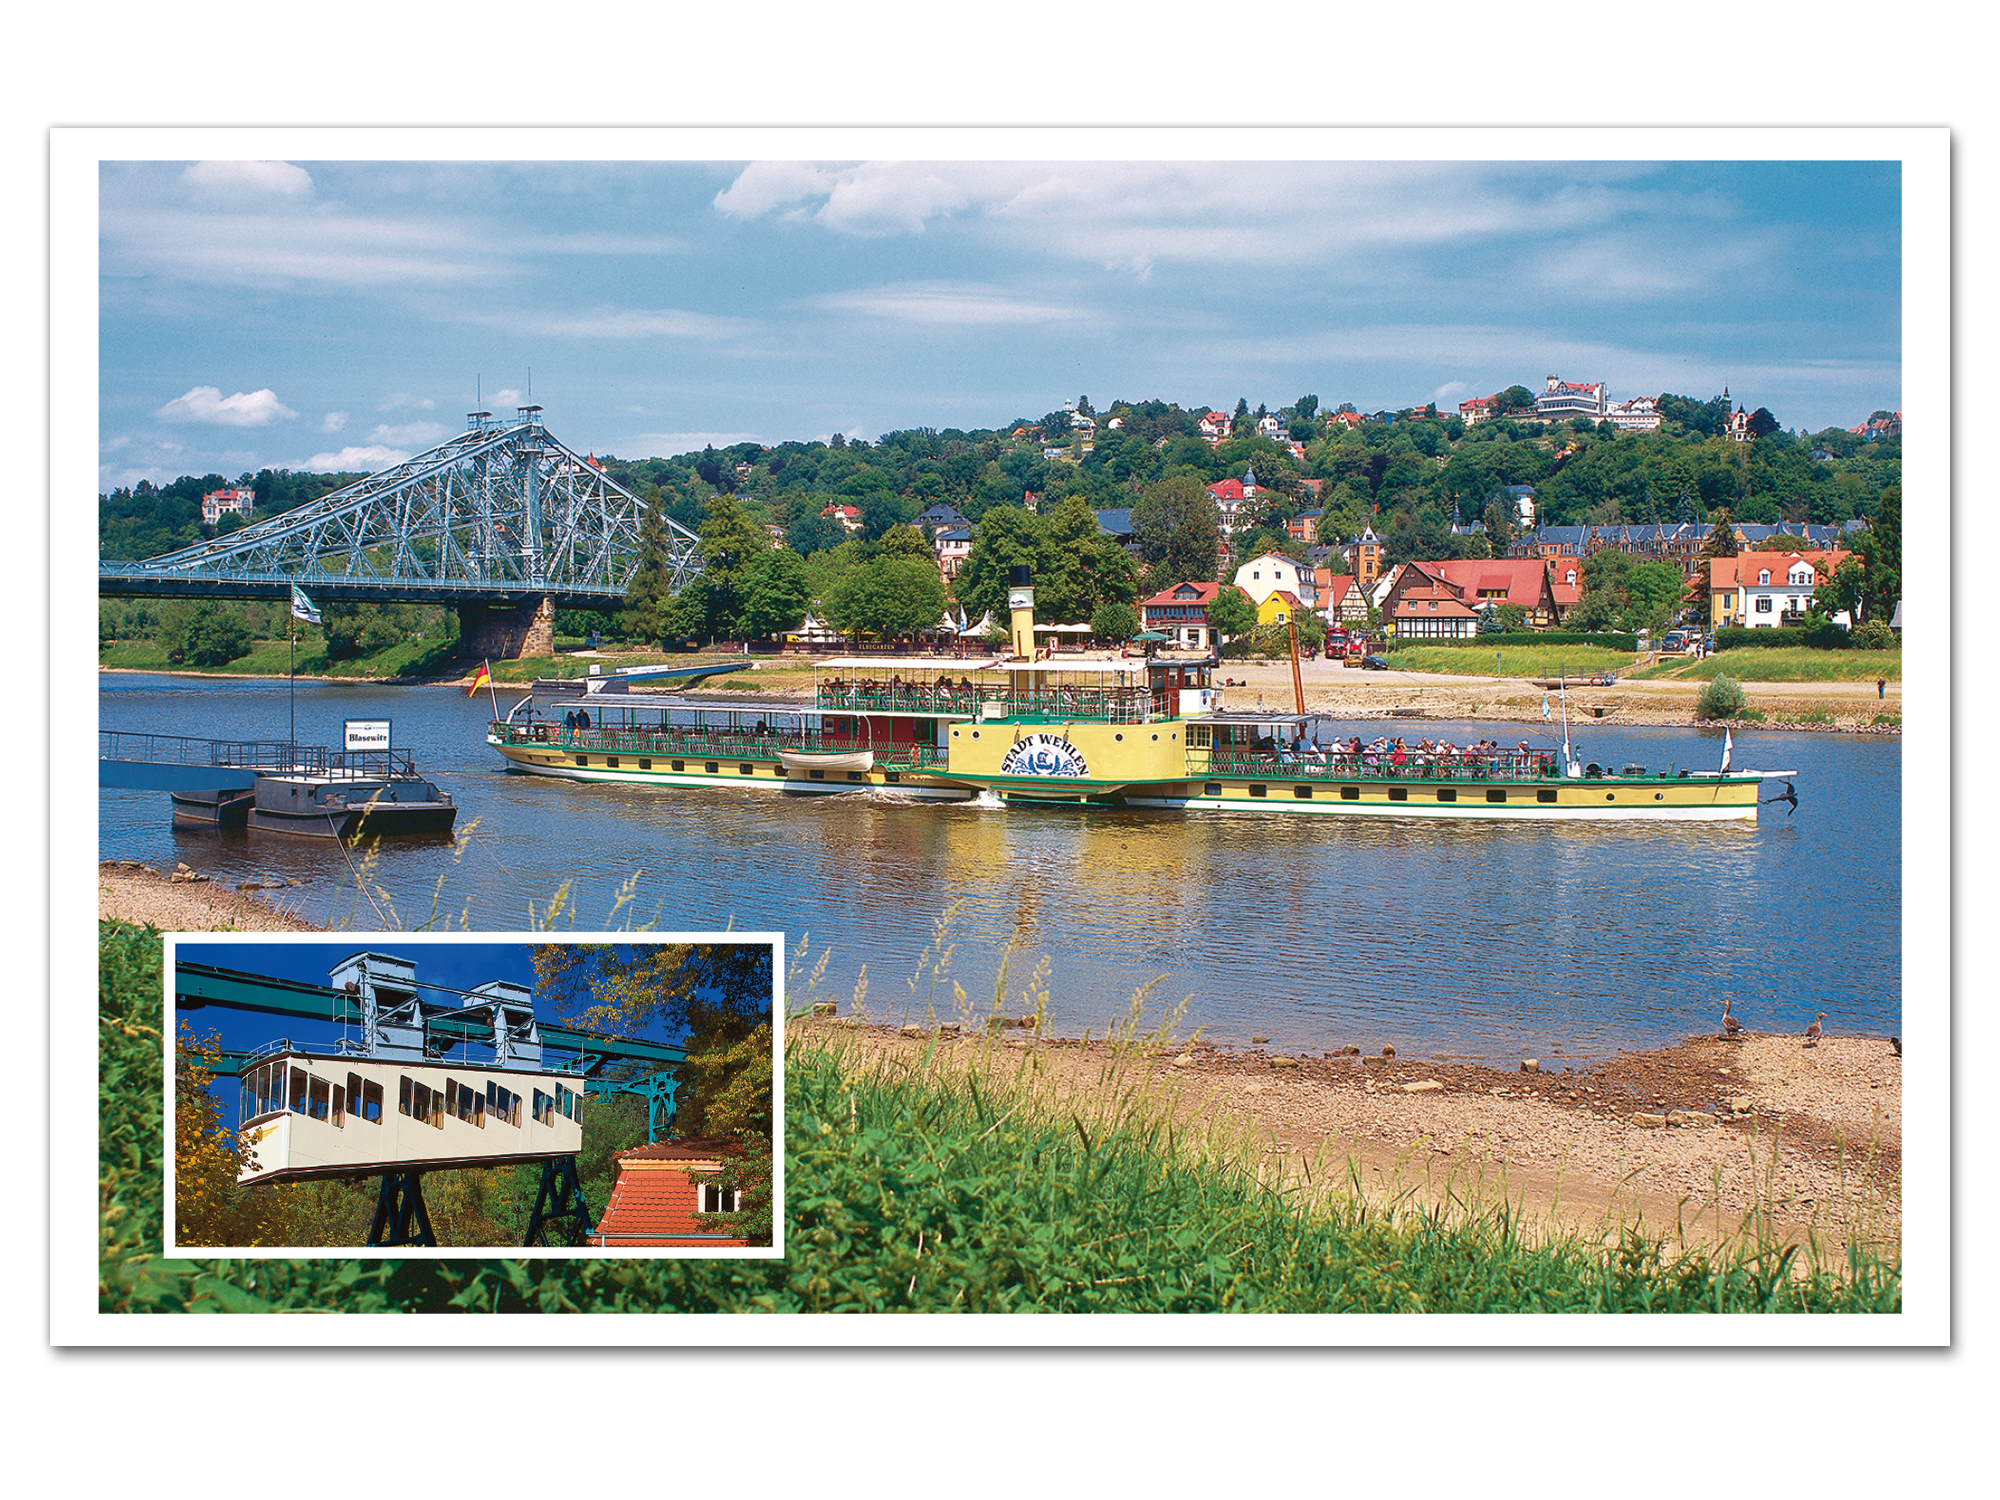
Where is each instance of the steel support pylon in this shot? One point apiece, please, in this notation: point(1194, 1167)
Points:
point(559, 1207)
point(400, 1215)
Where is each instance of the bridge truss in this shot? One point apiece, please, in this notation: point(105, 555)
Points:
point(502, 512)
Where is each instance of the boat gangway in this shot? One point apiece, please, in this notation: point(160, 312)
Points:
point(136, 761)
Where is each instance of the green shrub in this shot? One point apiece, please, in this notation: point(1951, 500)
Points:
point(1872, 635)
point(1825, 636)
point(1611, 640)
point(1720, 699)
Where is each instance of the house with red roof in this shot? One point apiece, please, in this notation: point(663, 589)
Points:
point(1343, 601)
point(1181, 614)
point(1764, 590)
point(660, 1197)
point(1561, 398)
point(1474, 582)
point(1427, 609)
point(847, 515)
point(1477, 409)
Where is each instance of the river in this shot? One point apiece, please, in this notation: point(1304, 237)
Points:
point(1461, 940)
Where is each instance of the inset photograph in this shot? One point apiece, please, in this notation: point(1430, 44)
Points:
point(524, 1093)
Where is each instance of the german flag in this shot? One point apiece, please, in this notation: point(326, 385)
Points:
point(482, 678)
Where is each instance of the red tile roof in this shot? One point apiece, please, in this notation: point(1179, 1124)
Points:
point(653, 1202)
point(1203, 593)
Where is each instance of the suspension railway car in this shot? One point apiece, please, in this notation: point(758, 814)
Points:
point(311, 1115)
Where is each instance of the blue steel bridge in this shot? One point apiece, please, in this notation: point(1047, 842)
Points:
point(503, 521)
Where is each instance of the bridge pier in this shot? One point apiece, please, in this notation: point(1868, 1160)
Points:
point(505, 634)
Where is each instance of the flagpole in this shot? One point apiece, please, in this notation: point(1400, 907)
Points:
point(292, 619)
point(491, 691)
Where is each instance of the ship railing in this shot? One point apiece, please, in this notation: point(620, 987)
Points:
point(1096, 704)
point(690, 743)
point(1308, 764)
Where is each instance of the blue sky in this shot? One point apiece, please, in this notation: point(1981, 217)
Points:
point(344, 315)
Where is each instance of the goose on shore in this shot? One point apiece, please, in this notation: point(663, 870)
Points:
point(1897, 1043)
point(1812, 1031)
point(1731, 1027)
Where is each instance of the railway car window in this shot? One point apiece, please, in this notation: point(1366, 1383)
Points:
point(298, 1091)
point(403, 1094)
point(537, 1105)
point(339, 1106)
point(371, 1102)
point(478, 1107)
point(319, 1098)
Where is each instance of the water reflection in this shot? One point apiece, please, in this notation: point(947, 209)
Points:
point(1450, 938)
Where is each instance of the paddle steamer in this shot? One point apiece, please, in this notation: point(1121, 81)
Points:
point(1111, 730)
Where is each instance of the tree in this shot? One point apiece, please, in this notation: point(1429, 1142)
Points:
point(1231, 614)
point(1006, 538)
point(1114, 620)
point(1078, 567)
point(1178, 529)
point(208, 634)
point(905, 540)
point(647, 596)
point(716, 1000)
point(889, 596)
point(627, 988)
point(1762, 423)
point(1516, 398)
point(209, 1207)
point(730, 540)
point(776, 593)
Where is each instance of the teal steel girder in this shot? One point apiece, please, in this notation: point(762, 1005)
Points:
point(199, 985)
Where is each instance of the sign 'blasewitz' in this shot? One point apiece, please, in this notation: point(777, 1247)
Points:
point(1043, 755)
point(367, 734)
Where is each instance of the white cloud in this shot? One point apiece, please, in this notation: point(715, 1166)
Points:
point(403, 399)
point(409, 435)
point(1131, 217)
point(636, 323)
point(206, 403)
point(1448, 394)
point(765, 185)
point(284, 243)
point(350, 460)
point(500, 401)
point(247, 178)
point(959, 304)
point(333, 421)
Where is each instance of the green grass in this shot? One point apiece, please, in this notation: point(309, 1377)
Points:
point(1782, 664)
point(1515, 661)
point(970, 1190)
point(275, 659)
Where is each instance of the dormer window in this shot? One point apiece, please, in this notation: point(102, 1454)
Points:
point(1763, 575)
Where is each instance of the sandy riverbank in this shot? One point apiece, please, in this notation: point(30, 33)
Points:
point(1699, 1134)
point(1350, 693)
point(186, 901)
